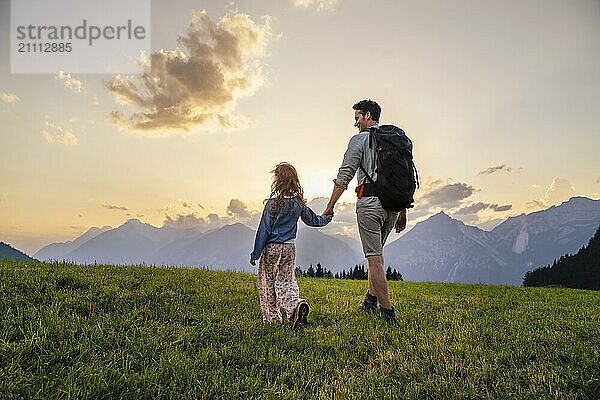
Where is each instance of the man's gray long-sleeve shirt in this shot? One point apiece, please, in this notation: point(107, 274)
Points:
point(358, 153)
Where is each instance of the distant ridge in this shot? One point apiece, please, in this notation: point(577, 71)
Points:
point(7, 252)
point(57, 251)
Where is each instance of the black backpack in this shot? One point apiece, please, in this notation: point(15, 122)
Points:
point(397, 176)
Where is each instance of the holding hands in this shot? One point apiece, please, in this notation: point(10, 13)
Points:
point(328, 213)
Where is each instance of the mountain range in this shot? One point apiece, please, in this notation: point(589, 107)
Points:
point(439, 248)
point(443, 249)
point(228, 247)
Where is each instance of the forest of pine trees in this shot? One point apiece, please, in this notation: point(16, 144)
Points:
point(577, 271)
point(358, 272)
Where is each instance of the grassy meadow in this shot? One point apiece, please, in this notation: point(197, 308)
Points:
point(77, 332)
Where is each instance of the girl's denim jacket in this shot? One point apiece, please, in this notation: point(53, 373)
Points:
point(282, 226)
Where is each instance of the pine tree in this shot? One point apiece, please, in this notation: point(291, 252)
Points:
point(310, 272)
point(319, 272)
point(579, 271)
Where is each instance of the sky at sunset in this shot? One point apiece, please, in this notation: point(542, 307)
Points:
point(500, 98)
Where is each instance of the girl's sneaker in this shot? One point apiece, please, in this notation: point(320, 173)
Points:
point(299, 318)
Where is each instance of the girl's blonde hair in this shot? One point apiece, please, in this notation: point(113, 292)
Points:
point(285, 183)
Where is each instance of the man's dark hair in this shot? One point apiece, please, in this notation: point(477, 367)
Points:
point(368, 105)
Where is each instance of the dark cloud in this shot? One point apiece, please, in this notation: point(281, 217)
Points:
point(447, 195)
point(476, 207)
point(499, 208)
point(112, 207)
point(472, 209)
point(238, 209)
point(200, 86)
point(491, 170)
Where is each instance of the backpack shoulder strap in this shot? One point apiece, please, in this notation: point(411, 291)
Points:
point(365, 172)
point(371, 138)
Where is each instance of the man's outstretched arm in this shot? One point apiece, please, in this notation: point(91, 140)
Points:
point(335, 195)
point(350, 163)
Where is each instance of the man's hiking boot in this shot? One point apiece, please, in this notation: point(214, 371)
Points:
point(299, 316)
point(388, 315)
point(369, 305)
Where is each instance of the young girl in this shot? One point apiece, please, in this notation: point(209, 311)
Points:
point(274, 244)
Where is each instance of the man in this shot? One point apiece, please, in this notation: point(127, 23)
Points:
point(374, 222)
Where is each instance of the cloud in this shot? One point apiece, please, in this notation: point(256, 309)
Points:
point(238, 209)
point(499, 208)
point(491, 170)
point(320, 5)
point(194, 220)
point(480, 206)
point(439, 194)
point(70, 82)
point(534, 205)
point(472, 209)
point(198, 87)
point(186, 204)
point(60, 135)
point(9, 97)
point(113, 207)
point(182, 221)
point(77, 227)
point(560, 190)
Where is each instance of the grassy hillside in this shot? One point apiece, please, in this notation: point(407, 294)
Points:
point(69, 331)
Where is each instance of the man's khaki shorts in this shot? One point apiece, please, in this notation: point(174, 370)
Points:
point(374, 227)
